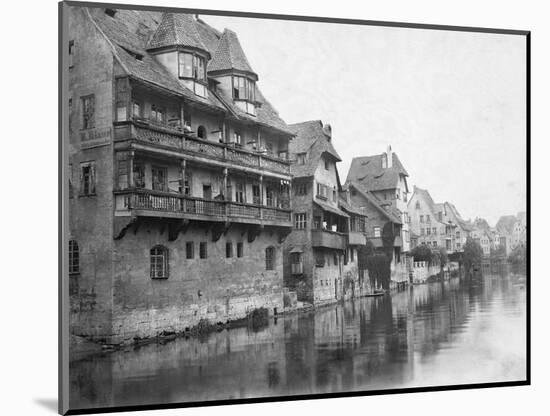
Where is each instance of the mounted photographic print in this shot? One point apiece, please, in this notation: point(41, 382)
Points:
point(264, 207)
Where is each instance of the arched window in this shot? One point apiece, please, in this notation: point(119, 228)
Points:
point(270, 258)
point(201, 132)
point(74, 257)
point(159, 262)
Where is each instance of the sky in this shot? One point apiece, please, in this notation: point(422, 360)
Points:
point(451, 104)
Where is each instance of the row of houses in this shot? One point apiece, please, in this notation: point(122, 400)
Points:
point(192, 201)
point(509, 233)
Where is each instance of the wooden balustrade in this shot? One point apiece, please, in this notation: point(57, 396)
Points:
point(166, 137)
point(149, 200)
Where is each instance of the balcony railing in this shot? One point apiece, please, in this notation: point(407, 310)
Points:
point(177, 140)
point(186, 206)
point(328, 239)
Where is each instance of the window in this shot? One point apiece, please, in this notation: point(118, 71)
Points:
point(301, 158)
point(189, 250)
point(159, 262)
point(87, 178)
point(376, 232)
point(139, 175)
point(319, 259)
point(434, 230)
point(229, 249)
point(269, 200)
point(136, 109)
point(440, 216)
point(322, 191)
point(296, 266)
point(256, 198)
point(240, 248)
point(157, 114)
point(301, 189)
point(239, 193)
point(203, 250)
point(160, 178)
point(327, 164)
point(201, 132)
point(422, 231)
point(270, 258)
point(334, 195)
point(237, 138)
point(351, 254)
point(191, 66)
point(187, 184)
point(317, 222)
point(74, 257)
point(88, 110)
point(71, 53)
point(417, 206)
point(335, 258)
point(422, 218)
point(244, 89)
point(122, 88)
point(427, 218)
point(428, 231)
point(300, 221)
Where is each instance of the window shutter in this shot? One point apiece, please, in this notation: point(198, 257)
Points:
point(92, 178)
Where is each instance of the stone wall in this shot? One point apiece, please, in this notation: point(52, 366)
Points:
point(216, 288)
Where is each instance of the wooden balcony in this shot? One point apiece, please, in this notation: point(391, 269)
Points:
point(164, 139)
point(148, 203)
point(328, 239)
point(356, 238)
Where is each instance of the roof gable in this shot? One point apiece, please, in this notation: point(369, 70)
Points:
point(229, 55)
point(177, 29)
point(367, 172)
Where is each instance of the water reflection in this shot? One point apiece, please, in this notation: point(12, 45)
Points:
point(442, 333)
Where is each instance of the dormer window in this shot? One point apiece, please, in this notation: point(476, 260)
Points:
point(244, 90)
point(192, 66)
point(192, 70)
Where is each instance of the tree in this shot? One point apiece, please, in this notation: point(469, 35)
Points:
point(379, 268)
point(499, 251)
point(518, 255)
point(473, 253)
point(363, 253)
point(388, 238)
point(422, 253)
point(443, 256)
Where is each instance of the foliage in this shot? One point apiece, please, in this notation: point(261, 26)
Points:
point(500, 251)
point(443, 256)
point(363, 253)
point(473, 253)
point(518, 255)
point(388, 238)
point(422, 253)
point(379, 269)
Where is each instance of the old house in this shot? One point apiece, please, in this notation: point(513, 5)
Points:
point(385, 178)
point(180, 183)
point(436, 224)
point(382, 218)
point(314, 251)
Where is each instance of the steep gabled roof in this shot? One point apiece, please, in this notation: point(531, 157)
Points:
point(392, 214)
point(177, 29)
point(367, 171)
point(229, 55)
point(311, 139)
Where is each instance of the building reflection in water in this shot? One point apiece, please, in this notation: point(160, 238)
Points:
point(371, 343)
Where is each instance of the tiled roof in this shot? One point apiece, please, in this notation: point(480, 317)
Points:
point(327, 207)
point(368, 172)
point(229, 54)
point(311, 139)
point(133, 32)
point(350, 207)
point(177, 29)
point(392, 214)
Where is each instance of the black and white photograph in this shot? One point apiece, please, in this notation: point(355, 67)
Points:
point(278, 208)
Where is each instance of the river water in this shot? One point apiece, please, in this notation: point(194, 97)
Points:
point(451, 332)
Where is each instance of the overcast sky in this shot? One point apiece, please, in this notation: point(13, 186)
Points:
point(451, 104)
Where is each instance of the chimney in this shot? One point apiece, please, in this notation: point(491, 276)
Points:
point(389, 155)
point(327, 129)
